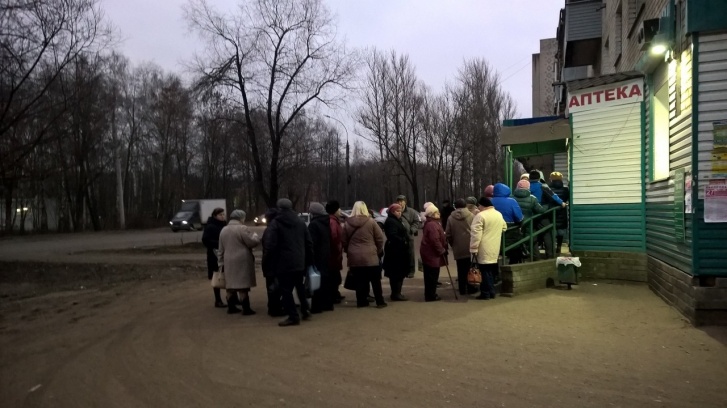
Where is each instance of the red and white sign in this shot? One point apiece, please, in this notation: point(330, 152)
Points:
point(607, 95)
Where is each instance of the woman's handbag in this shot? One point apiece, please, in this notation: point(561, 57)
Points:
point(474, 277)
point(218, 280)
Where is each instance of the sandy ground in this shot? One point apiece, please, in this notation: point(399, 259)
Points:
point(159, 342)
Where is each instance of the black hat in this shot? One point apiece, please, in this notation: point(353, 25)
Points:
point(485, 202)
point(459, 203)
point(401, 197)
point(332, 206)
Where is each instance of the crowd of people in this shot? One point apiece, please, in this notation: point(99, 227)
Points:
point(473, 229)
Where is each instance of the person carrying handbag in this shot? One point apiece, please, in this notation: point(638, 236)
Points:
point(486, 237)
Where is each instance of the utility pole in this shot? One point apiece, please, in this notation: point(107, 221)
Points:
point(348, 164)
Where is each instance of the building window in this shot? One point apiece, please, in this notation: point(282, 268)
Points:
point(660, 135)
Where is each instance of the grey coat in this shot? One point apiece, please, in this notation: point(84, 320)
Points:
point(410, 219)
point(235, 254)
point(458, 232)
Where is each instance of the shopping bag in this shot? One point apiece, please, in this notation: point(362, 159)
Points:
point(350, 282)
point(218, 280)
point(474, 277)
point(314, 279)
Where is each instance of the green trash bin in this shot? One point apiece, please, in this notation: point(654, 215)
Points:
point(568, 270)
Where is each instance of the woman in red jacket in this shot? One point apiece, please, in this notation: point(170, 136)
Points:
point(433, 251)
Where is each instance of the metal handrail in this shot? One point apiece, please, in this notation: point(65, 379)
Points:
point(529, 238)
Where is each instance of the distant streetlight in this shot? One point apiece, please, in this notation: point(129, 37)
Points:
point(348, 177)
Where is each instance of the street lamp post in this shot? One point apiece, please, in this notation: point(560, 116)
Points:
point(348, 176)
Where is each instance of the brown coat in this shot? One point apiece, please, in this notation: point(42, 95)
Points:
point(458, 233)
point(235, 254)
point(363, 241)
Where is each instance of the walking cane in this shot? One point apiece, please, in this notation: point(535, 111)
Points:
point(451, 281)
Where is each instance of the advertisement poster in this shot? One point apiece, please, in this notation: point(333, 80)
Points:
point(715, 202)
point(719, 149)
point(688, 195)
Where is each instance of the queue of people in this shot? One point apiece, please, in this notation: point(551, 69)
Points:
point(472, 228)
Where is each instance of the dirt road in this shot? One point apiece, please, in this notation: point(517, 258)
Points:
point(161, 343)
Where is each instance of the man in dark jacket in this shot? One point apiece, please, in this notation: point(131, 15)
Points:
point(275, 304)
point(410, 219)
point(446, 211)
point(288, 251)
point(561, 215)
point(320, 232)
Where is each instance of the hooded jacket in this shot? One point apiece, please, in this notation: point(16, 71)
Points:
point(506, 205)
point(543, 193)
point(363, 241)
point(458, 232)
point(528, 203)
point(287, 245)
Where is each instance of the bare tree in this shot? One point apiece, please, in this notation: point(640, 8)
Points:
point(279, 56)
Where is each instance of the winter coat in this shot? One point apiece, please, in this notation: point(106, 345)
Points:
point(506, 205)
point(336, 259)
point(235, 255)
point(434, 244)
point(396, 250)
point(544, 194)
point(287, 245)
point(458, 232)
point(410, 219)
point(320, 233)
point(363, 241)
point(561, 215)
point(211, 240)
point(446, 212)
point(528, 203)
point(486, 236)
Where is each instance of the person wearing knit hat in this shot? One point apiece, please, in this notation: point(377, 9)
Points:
point(527, 202)
point(320, 233)
point(561, 215)
point(489, 191)
point(458, 232)
point(333, 208)
point(410, 219)
point(396, 252)
point(471, 204)
point(236, 260)
point(433, 251)
point(486, 238)
point(426, 205)
point(287, 249)
point(547, 198)
point(525, 176)
point(524, 184)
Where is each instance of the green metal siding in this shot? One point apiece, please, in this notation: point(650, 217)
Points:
point(607, 227)
point(660, 240)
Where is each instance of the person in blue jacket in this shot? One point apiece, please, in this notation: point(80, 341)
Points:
point(548, 199)
point(513, 215)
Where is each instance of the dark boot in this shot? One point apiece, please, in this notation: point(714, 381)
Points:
point(246, 309)
point(218, 298)
point(559, 245)
point(289, 322)
point(232, 301)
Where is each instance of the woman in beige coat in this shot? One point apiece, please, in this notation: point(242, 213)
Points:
point(237, 261)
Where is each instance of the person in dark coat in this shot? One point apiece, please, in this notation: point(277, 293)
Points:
point(433, 251)
point(561, 215)
point(211, 240)
point(320, 232)
point(396, 252)
point(446, 211)
point(548, 199)
point(275, 303)
point(288, 251)
point(335, 262)
point(458, 236)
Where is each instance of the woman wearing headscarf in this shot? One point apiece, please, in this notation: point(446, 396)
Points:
point(396, 252)
point(211, 240)
point(433, 251)
point(235, 256)
point(363, 243)
point(320, 232)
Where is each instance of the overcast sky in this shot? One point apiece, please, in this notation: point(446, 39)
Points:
point(438, 35)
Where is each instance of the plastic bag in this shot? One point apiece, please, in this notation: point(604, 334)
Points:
point(314, 279)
